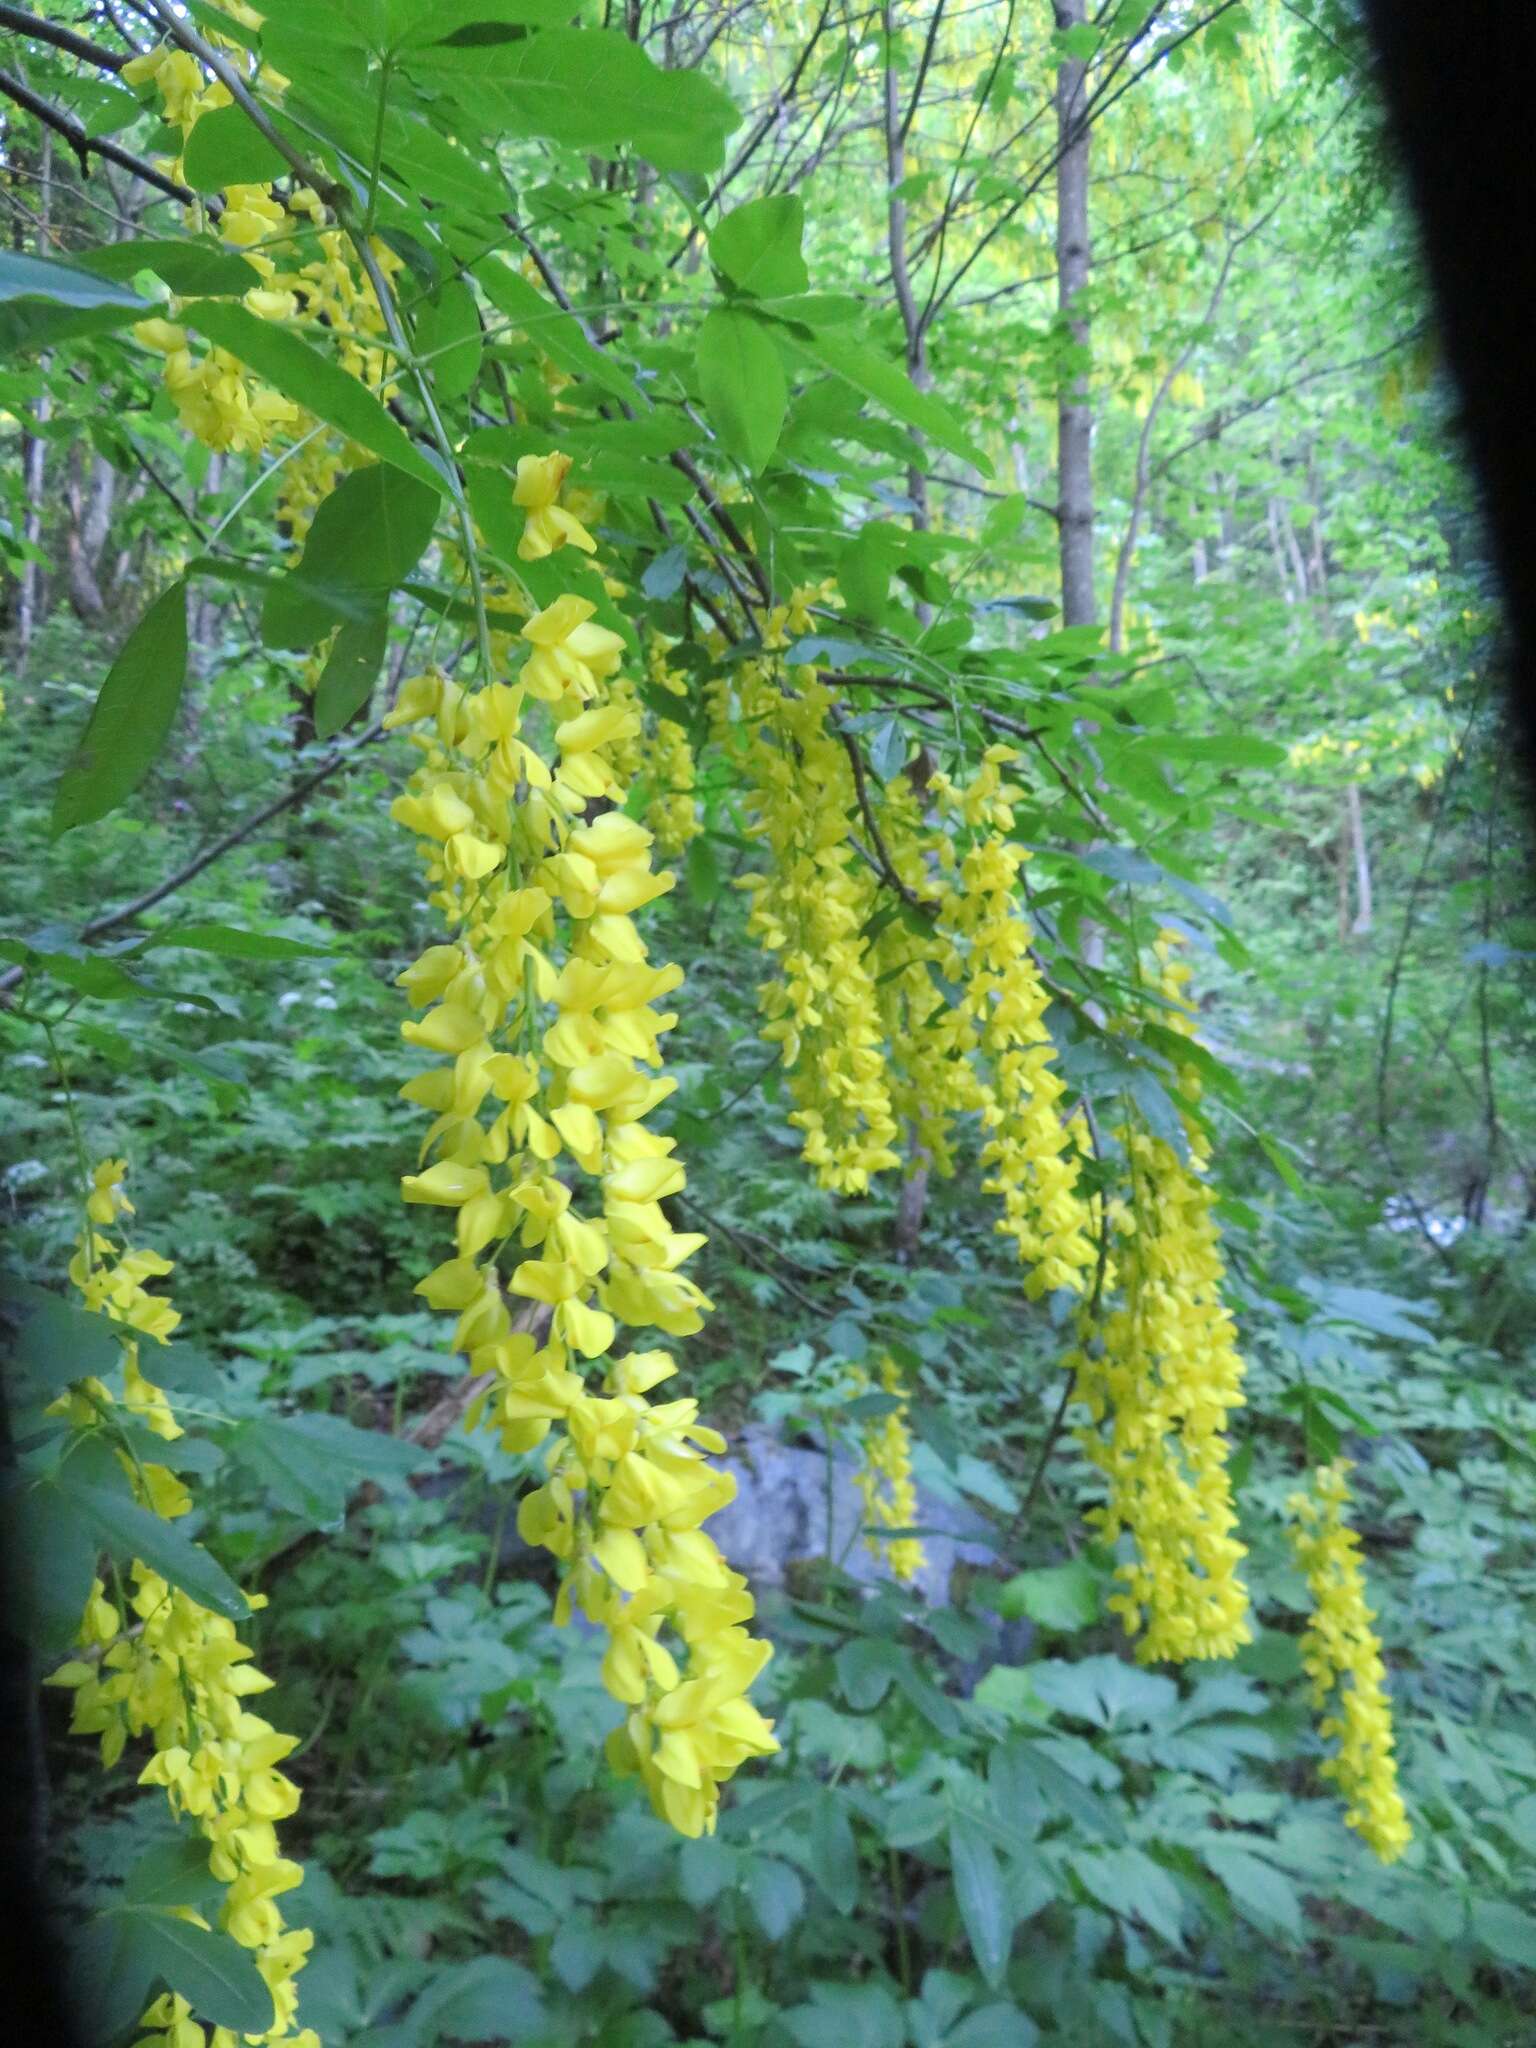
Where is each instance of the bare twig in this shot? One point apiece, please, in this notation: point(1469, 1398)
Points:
point(85, 146)
point(21, 23)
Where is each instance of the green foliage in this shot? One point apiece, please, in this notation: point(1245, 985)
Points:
point(986, 1826)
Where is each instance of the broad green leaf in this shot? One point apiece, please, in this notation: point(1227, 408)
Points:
point(173, 1874)
point(234, 943)
point(982, 1897)
point(350, 672)
point(893, 390)
point(55, 1341)
point(591, 88)
point(1132, 1885)
point(25, 277)
point(191, 267)
point(46, 302)
point(1259, 1892)
point(312, 380)
point(367, 537)
point(742, 384)
point(132, 716)
point(776, 1894)
point(226, 147)
point(834, 1853)
point(550, 328)
point(757, 246)
point(218, 1978)
point(448, 338)
point(311, 1463)
point(487, 1998)
point(125, 1529)
point(431, 167)
point(1060, 1597)
point(49, 1559)
point(472, 23)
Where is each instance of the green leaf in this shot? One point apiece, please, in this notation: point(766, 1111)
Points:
point(125, 1529)
point(757, 246)
point(844, 2015)
point(226, 147)
point(550, 328)
point(311, 1463)
point(350, 672)
point(218, 1978)
point(591, 88)
point(834, 1852)
point(191, 267)
point(235, 944)
point(888, 749)
point(982, 1898)
point(1258, 1891)
point(172, 1874)
point(777, 1895)
point(42, 302)
point(55, 1340)
point(892, 389)
point(1060, 1597)
point(1132, 1885)
point(49, 1559)
point(132, 716)
point(742, 384)
point(312, 380)
point(368, 535)
point(488, 1998)
point(448, 338)
point(1222, 750)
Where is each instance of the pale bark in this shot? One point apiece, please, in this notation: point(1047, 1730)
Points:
point(1074, 259)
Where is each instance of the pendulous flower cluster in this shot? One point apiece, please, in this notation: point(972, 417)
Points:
point(540, 1007)
point(1341, 1654)
point(809, 909)
point(1163, 1369)
point(156, 1662)
point(884, 1478)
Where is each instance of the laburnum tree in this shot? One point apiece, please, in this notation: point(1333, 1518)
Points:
point(655, 434)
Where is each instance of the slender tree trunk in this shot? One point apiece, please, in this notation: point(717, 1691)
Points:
point(1361, 859)
point(89, 504)
point(34, 449)
point(913, 1200)
point(1074, 257)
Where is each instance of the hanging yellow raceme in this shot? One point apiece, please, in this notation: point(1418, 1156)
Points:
point(539, 1006)
point(1030, 1154)
point(218, 400)
point(155, 1662)
point(884, 1479)
point(809, 908)
point(1341, 1654)
point(1162, 1370)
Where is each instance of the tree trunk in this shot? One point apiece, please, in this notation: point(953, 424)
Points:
point(913, 1200)
point(1362, 861)
point(1074, 257)
point(89, 505)
point(34, 450)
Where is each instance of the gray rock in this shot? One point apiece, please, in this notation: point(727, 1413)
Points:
point(780, 1517)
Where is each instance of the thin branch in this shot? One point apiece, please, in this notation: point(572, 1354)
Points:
point(23, 24)
point(127, 912)
point(882, 858)
point(85, 146)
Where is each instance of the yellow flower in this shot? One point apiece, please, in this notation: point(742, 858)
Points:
point(178, 1673)
point(543, 1004)
point(548, 526)
point(1341, 1654)
point(884, 1480)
